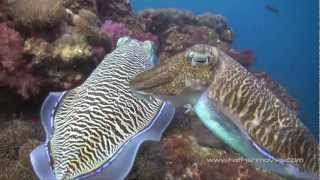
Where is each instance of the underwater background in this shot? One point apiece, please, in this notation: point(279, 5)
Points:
point(285, 43)
point(55, 45)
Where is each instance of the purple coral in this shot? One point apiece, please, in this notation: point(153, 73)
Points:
point(15, 72)
point(114, 30)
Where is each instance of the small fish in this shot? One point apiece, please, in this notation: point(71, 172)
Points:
point(237, 108)
point(94, 131)
point(272, 9)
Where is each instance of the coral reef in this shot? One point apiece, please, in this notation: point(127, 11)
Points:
point(116, 10)
point(53, 45)
point(15, 72)
point(178, 29)
point(3, 10)
point(13, 136)
point(114, 30)
point(72, 47)
point(179, 155)
point(39, 48)
point(77, 5)
point(37, 13)
point(18, 137)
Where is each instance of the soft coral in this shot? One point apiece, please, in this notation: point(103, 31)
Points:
point(15, 72)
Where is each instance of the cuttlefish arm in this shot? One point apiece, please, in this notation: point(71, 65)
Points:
point(236, 107)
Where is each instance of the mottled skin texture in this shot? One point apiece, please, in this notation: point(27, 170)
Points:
point(249, 103)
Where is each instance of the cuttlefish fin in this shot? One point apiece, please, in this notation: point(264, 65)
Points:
point(40, 158)
point(224, 129)
point(48, 109)
point(121, 163)
point(40, 161)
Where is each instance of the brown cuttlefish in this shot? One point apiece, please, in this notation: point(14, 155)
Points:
point(237, 108)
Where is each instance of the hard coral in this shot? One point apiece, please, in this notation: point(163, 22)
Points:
point(114, 9)
point(39, 48)
point(86, 23)
point(77, 5)
point(177, 29)
point(35, 14)
point(15, 72)
point(72, 47)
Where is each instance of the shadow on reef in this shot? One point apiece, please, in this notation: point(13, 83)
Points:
point(53, 45)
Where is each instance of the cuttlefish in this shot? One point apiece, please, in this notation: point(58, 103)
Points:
point(237, 108)
point(94, 131)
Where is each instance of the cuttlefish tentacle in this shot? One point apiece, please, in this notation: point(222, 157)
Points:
point(237, 100)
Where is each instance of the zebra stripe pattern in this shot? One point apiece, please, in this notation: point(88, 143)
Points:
point(94, 120)
point(269, 122)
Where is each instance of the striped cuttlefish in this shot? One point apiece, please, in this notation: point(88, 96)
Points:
point(237, 108)
point(94, 131)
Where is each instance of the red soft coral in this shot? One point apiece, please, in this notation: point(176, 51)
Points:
point(11, 48)
point(15, 72)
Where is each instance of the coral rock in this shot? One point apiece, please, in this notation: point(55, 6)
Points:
point(178, 29)
point(179, 155)
point(72, 47)
point(14, 134)
point(24, 153)
point(39, 48)
point(77, 5)
point(38, 13)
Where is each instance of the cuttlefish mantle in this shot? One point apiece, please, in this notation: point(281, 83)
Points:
point(237, 108)
point(94, 131)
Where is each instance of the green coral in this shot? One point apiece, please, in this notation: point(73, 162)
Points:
point(71, 47)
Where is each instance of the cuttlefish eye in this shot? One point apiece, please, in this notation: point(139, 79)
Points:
point(196, 58)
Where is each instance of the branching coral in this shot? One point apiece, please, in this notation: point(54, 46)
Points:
point(15, 72)
point(37, 13)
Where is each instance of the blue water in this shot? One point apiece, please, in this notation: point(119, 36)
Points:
point(286, 45)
